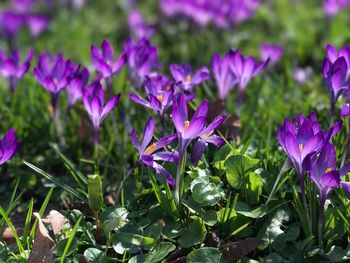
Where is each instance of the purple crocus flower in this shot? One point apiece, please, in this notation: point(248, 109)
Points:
point(332, 7)
point(11, 23)
point(52, 72)
point(22, 6)
point(11, 69)
point(8, 146)
point(334, 75)
point(302, 137)
point(332, 54)
point(322, 171)
point(142, 58)
point(147, 151)
point(302, 75)
point(271, 52)
point(103, 60)
point(188, 81)
point(160, 92)
point(138, 26)
point(225, 79)
point(36, 24)
point(188, 130)
point(97, 109)
point(77, 82)
point(245, 69)
point(207, 136)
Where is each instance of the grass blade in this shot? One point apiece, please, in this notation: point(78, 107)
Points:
point(70, 240)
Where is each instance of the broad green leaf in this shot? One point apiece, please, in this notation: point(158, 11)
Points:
point(193, 234)
point(206, 191)
point(270, 231)
point(243, 209)
point(210, 217)
point(94, 255)
point(237, 167)
point(155, 255)
point(204, 255)
point(113, 217)
point(254, 187)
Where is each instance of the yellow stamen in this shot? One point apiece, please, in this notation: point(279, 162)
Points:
point(301, 147)
point(328, 170)
point(151, 149)
point(187, 123)
point(160, 98)
point(167, 87)
point(207, 134)
point(188, 78)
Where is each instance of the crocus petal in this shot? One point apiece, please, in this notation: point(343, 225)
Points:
point(312, 145)
point(147, 159)
point(119, 63)
point(176, 72)
point(345, 111)
point(198, 149)
point(137, 99)
point(110, 105)
point(195, 128)
point(216, 140)
point(148, 133)
point(201, 111)
point(165, 141)
point(96, 111)
point(344, 170)
point(330, 179)
point(134, 139)
point(107, 51)
point(166, 156)
point(201, 75)
point(345, 186)
point(161, 170)
point(214, 124)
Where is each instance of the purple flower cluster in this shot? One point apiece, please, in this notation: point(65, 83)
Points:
point(332, 7)
point(222, 13)
point(20, 15)
point(336, 72)
point(234, 69)
point(12, 69)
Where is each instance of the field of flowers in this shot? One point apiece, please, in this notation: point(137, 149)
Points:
point(174, 131)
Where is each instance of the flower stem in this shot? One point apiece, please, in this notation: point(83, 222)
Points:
point(179, 184)
point(320, 220)
point(96, 145)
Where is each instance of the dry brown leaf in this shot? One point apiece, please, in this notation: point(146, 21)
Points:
point(56, 220)
point(236, 250)
point(42, 248)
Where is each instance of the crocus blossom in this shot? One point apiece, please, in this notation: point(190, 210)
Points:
point(188, 80)
point(332, 54)
point(332, 7)
point(322, 170)
point(11, 68)
point(138, 26)
point(36, 23)
point(335, 75)
point(189, 129)
point(8, 146)
point(244, 69)
point(207, 136)
point(160, 92)
point(222, 13)
point(11, 23)
point(77, 82)
point(225, 79)
point(148, 152)
point(302, 137)
point(302, 75)
point(142, 58)
point(52, 72)
point(97, 109)
point(103, 60)
point(272, 52)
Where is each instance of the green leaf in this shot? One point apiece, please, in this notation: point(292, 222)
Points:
point(206, 191)
point(95, 194)
point(193, 234)
point(254, 187)
point(156, 255)
point(272, 229)
point(204, 255)
point(94, 255)
point(237, 166)
point(113, 217)
point(133, 239)
point(210, 217)
point(243, 209)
